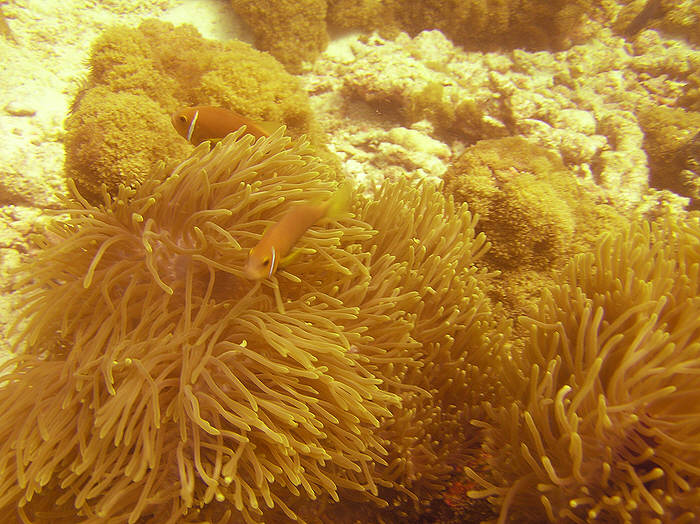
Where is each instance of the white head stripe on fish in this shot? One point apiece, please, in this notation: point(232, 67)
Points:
point(272, 261)
point(190, 130)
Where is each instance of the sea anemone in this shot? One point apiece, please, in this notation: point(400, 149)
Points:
point(156, 384)
point(158, 376)
point(605, 425)
point(457, 331)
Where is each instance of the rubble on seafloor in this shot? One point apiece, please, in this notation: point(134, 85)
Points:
point(582, 102)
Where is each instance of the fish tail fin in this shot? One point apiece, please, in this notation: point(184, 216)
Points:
point(339, 201)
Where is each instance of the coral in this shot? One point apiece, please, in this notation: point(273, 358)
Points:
point(681, 19)
point(138, 77)
point(362, 14)
point(293, 31)
point(580, 102)
point(668, 133)
point(604, 425)
point(508, 182)
point(113, 137)
point(531, 208)
point(171, 388)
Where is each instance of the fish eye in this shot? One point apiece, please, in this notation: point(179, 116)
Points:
point(183, 119)
point(266, 261)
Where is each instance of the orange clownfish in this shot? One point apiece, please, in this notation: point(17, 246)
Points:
point(274, 248)
point(199, 123)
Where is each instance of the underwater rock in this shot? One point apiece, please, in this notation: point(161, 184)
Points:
point(681, 19)
point(20, 108)
point(637, 15)
point(656, 54)
point(426, 81)
point(397, 153)
point(690, 99)
point(412, 151)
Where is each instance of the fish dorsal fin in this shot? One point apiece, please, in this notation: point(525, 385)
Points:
point(339, 201)
point(268, 127)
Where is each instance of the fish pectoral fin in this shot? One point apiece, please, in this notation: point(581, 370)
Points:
point(290, 258)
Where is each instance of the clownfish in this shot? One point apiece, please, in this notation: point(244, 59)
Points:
point(273, 250)
point(199, 123)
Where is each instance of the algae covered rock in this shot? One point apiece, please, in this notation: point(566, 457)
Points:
point(119, 126)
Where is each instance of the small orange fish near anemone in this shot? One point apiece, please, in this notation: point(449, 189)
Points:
point(275, 247)
point(199, 123)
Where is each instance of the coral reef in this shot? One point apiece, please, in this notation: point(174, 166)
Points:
point(138, 77)
point(173, 388)
point(604, 425)
point(293, 31)
point(153, 383)
point(584, 102)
